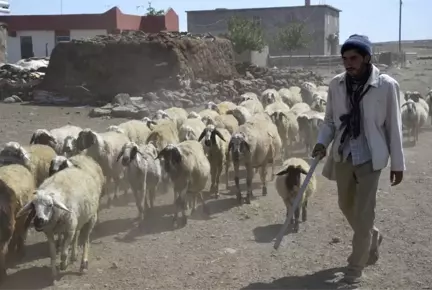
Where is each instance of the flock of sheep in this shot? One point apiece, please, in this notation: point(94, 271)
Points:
point(56, 182)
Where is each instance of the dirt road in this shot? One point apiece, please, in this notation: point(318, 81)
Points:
point(232, 249)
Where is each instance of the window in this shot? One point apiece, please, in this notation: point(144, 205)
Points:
point(257, 20)
point(62, 39)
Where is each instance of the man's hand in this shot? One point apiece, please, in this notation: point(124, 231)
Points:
point(319, 151)
point(396, 177)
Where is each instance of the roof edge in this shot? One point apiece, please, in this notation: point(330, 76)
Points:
point(265, 8)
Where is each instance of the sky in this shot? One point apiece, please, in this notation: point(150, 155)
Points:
point(378, 19)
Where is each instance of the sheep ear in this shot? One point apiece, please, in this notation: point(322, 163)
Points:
point(160, 154)
point(60, 205)
point(282, 172)
point(220, 135)
point(25, 209)
point(202, 135)
point(120, 154)
point(33, 137)
point(302, 170)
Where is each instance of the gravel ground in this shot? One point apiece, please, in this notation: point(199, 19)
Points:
point(233, 249)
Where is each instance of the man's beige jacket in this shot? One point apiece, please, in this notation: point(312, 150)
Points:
point(381, 120)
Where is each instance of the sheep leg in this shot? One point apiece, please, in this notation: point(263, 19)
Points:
point(86, 231)
point(249, 177)
point(304, 211)
point(227, 163)
point(213, 173)
point(180, 205)
point(263, 175)
point(74, 255)
point(107, 190)
point(53, 255)
point(59, 243)
point(139, 196)
point(296, 220)
point(64, 258)
point(117, 182)
point(237, 181)
point(203, 204)
point(218, 174)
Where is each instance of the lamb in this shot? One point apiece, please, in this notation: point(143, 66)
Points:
point(17, 186)
point(217, 149)
point(164, 134)
point(144, 173)
point(290, 97)
point(309, 124)
point(189, 170)
point(37, 158)
point(414, 116)
point(241, 114)
point(228, 122)
point(252, 106)
point(81, 161)
point(136, 131)
point(69, 147)
point(288, 182)
point(255, 144)
point(300, 108)
point(104, 148)
point(288, 129)
point(270, 96)
point(225, 106)
point(55, 137)
point(66, 204)
point(191, 129)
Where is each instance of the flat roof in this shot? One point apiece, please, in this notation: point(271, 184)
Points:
point(266, 8)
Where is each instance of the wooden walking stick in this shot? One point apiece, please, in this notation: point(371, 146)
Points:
point(296, 202)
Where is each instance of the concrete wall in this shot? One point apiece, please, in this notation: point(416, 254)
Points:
point(3, 42)
point(43, 42)
point(320, 19)
point(254, 57)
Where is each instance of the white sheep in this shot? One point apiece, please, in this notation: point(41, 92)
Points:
point(104, 149)
point(276, 106)
point(149, 122)
point(136, 131)
point(290, 97)
point(189, 170)
point(193, 115)
point(144, 173)
point(309, 123)
point(248, 96)
point(418, 98)
point(176, 114)
point(17, 186)
point(66, 204)
point(241, 114)
point(163, 134)
point(212, 106)
point(191, 129)
point(208, 115)
point(225, 106)
point(255, 144)
point(55, 137)
point(307, 91)
point(69, 146)
point(253, 106)
point(270, 96)
point(288, 128)
point(300, 108)
point(228, 122)
point(319, 105)
point(37, 158)
point(288, 182)
point(216, 149)
point(414, 116)
point(295, 90)
point(428, 100)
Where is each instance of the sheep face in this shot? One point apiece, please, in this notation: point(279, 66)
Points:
point(69, 146)
point(212, 106)
point(238, 145)
point(318, 105)
point(410, 107)
point(44, 137)
point(207, 120)
point(193, 115)
point(209, 134)
point(161, 115)
point(293, 176)
point(303, 122)
point(44, 205)
point(86, 138)
point(149, 122)
point(128, 153)
point(171, 158)
point(13, 152)
point(415, 96)
point(269, 98)
point(277, 117)
point(59, 163)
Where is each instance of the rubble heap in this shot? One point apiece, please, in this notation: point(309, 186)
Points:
point(21, 78)
point(199, 92)
point(136, 62)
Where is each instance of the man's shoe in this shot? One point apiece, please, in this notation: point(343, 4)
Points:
point(374, 253)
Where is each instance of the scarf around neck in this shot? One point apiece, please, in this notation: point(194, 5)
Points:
point(355, 93)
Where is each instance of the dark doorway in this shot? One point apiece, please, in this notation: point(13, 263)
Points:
point(26, 47)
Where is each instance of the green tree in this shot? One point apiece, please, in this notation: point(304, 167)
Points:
point(293, 37)
point(245, 35)
point(151, 11)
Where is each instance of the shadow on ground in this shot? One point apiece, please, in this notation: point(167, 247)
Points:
point(315, 281)
point(266, 234)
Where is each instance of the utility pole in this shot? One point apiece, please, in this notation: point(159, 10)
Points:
point(400, 30)
point(61, 7)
